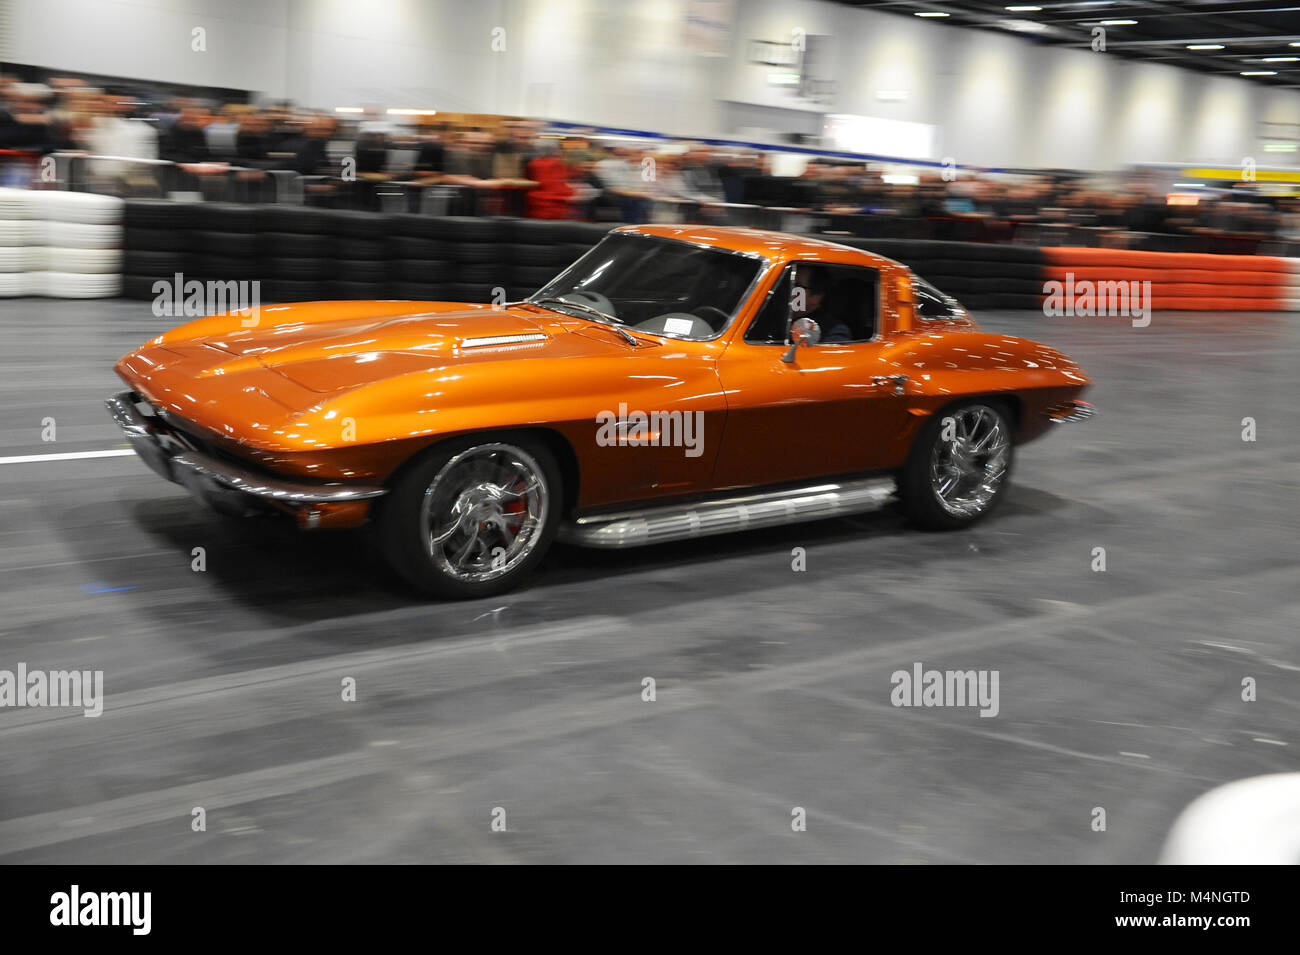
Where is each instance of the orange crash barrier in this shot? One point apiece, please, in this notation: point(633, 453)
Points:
point(1186, 280)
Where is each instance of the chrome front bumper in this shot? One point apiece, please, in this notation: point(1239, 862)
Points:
point(217, 482)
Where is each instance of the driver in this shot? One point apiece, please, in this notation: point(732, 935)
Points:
point(813, 281)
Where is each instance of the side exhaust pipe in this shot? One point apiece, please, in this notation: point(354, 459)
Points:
point(657, 525)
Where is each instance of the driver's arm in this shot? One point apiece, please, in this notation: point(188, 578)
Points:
point(837, 333)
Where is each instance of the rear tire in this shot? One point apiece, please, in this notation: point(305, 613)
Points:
point(959, 466)
point(474, 516)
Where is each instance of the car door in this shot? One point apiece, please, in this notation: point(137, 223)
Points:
point(832, 410)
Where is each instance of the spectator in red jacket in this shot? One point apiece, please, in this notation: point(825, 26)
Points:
point(553, 196)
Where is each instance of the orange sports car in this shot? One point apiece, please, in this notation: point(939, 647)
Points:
point(675, 381)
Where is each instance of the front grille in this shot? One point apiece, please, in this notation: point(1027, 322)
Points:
point(189, 437)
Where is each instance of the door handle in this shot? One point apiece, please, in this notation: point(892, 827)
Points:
point(900, 382)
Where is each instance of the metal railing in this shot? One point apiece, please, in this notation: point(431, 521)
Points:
point(133, 177)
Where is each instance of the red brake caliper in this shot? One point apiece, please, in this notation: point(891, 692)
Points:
point(516, 506)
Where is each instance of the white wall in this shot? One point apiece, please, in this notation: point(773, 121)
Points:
point(1001, 100)
point(414, 53)
point(997, 99)
point(615, 64)
point(152, 39)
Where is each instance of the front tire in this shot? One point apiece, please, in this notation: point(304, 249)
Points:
point(473, 517)
point(958, 467)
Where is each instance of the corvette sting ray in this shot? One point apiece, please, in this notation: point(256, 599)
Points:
point(673, 382)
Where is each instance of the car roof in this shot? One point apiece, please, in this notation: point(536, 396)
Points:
point(772, 245)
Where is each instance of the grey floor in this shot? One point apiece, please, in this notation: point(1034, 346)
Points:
point(1119, 690)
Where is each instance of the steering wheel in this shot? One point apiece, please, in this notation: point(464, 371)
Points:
point(593, 299)
point(705, 311)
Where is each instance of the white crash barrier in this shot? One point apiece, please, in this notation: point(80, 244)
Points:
point(60, 244)
point(16, 284)
point(87, 261)
point(19, 258)
point(83, 207)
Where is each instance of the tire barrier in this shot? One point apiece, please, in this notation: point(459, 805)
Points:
point(1187, 280)
point(301, 253)
point(157, 239)
point(985, 276)
point(18, 244)
point(978, 274)
point(60, 244)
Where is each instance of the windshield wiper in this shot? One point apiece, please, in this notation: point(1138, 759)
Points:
point(602, 317)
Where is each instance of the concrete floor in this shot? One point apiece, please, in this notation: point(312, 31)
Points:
point(1119, 690)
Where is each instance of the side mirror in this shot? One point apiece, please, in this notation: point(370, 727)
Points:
point(804, 331)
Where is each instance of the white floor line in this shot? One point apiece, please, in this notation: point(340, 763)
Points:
point(69, 456)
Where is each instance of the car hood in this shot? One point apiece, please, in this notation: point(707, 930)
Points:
point(328, 351)
point(250, 382)
point(335, 355)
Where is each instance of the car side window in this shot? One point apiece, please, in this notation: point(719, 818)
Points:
point(771, 326)
point(930, 304)
point(842, 299)
point(851, 304)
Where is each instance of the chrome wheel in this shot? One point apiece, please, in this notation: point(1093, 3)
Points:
point(484, 511)
point(969, 460)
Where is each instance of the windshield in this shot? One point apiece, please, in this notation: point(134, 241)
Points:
point(655, 285)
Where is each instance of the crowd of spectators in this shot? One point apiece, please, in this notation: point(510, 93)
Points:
point(519, 167)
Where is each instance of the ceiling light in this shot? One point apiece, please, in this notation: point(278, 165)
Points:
point(348, 109)
point(930, 13)
point(1118, 23)
point(1024, 26)
point(1023, 9)
point(1205, 46)
point(1280, 59)
point(1260, 73)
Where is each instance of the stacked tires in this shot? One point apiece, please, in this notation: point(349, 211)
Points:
point(984, 276)
point(481, 268)
point(980, 275)
point(541, 249)
point(81, 254)
point(60, 244)
point(1191, 281)
point(362, 258)
point(18, 248)
point(224, 244)
point(421, 264)
point(580, 237)
point(472, 259)
point(296, 252)
point(158, 235)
